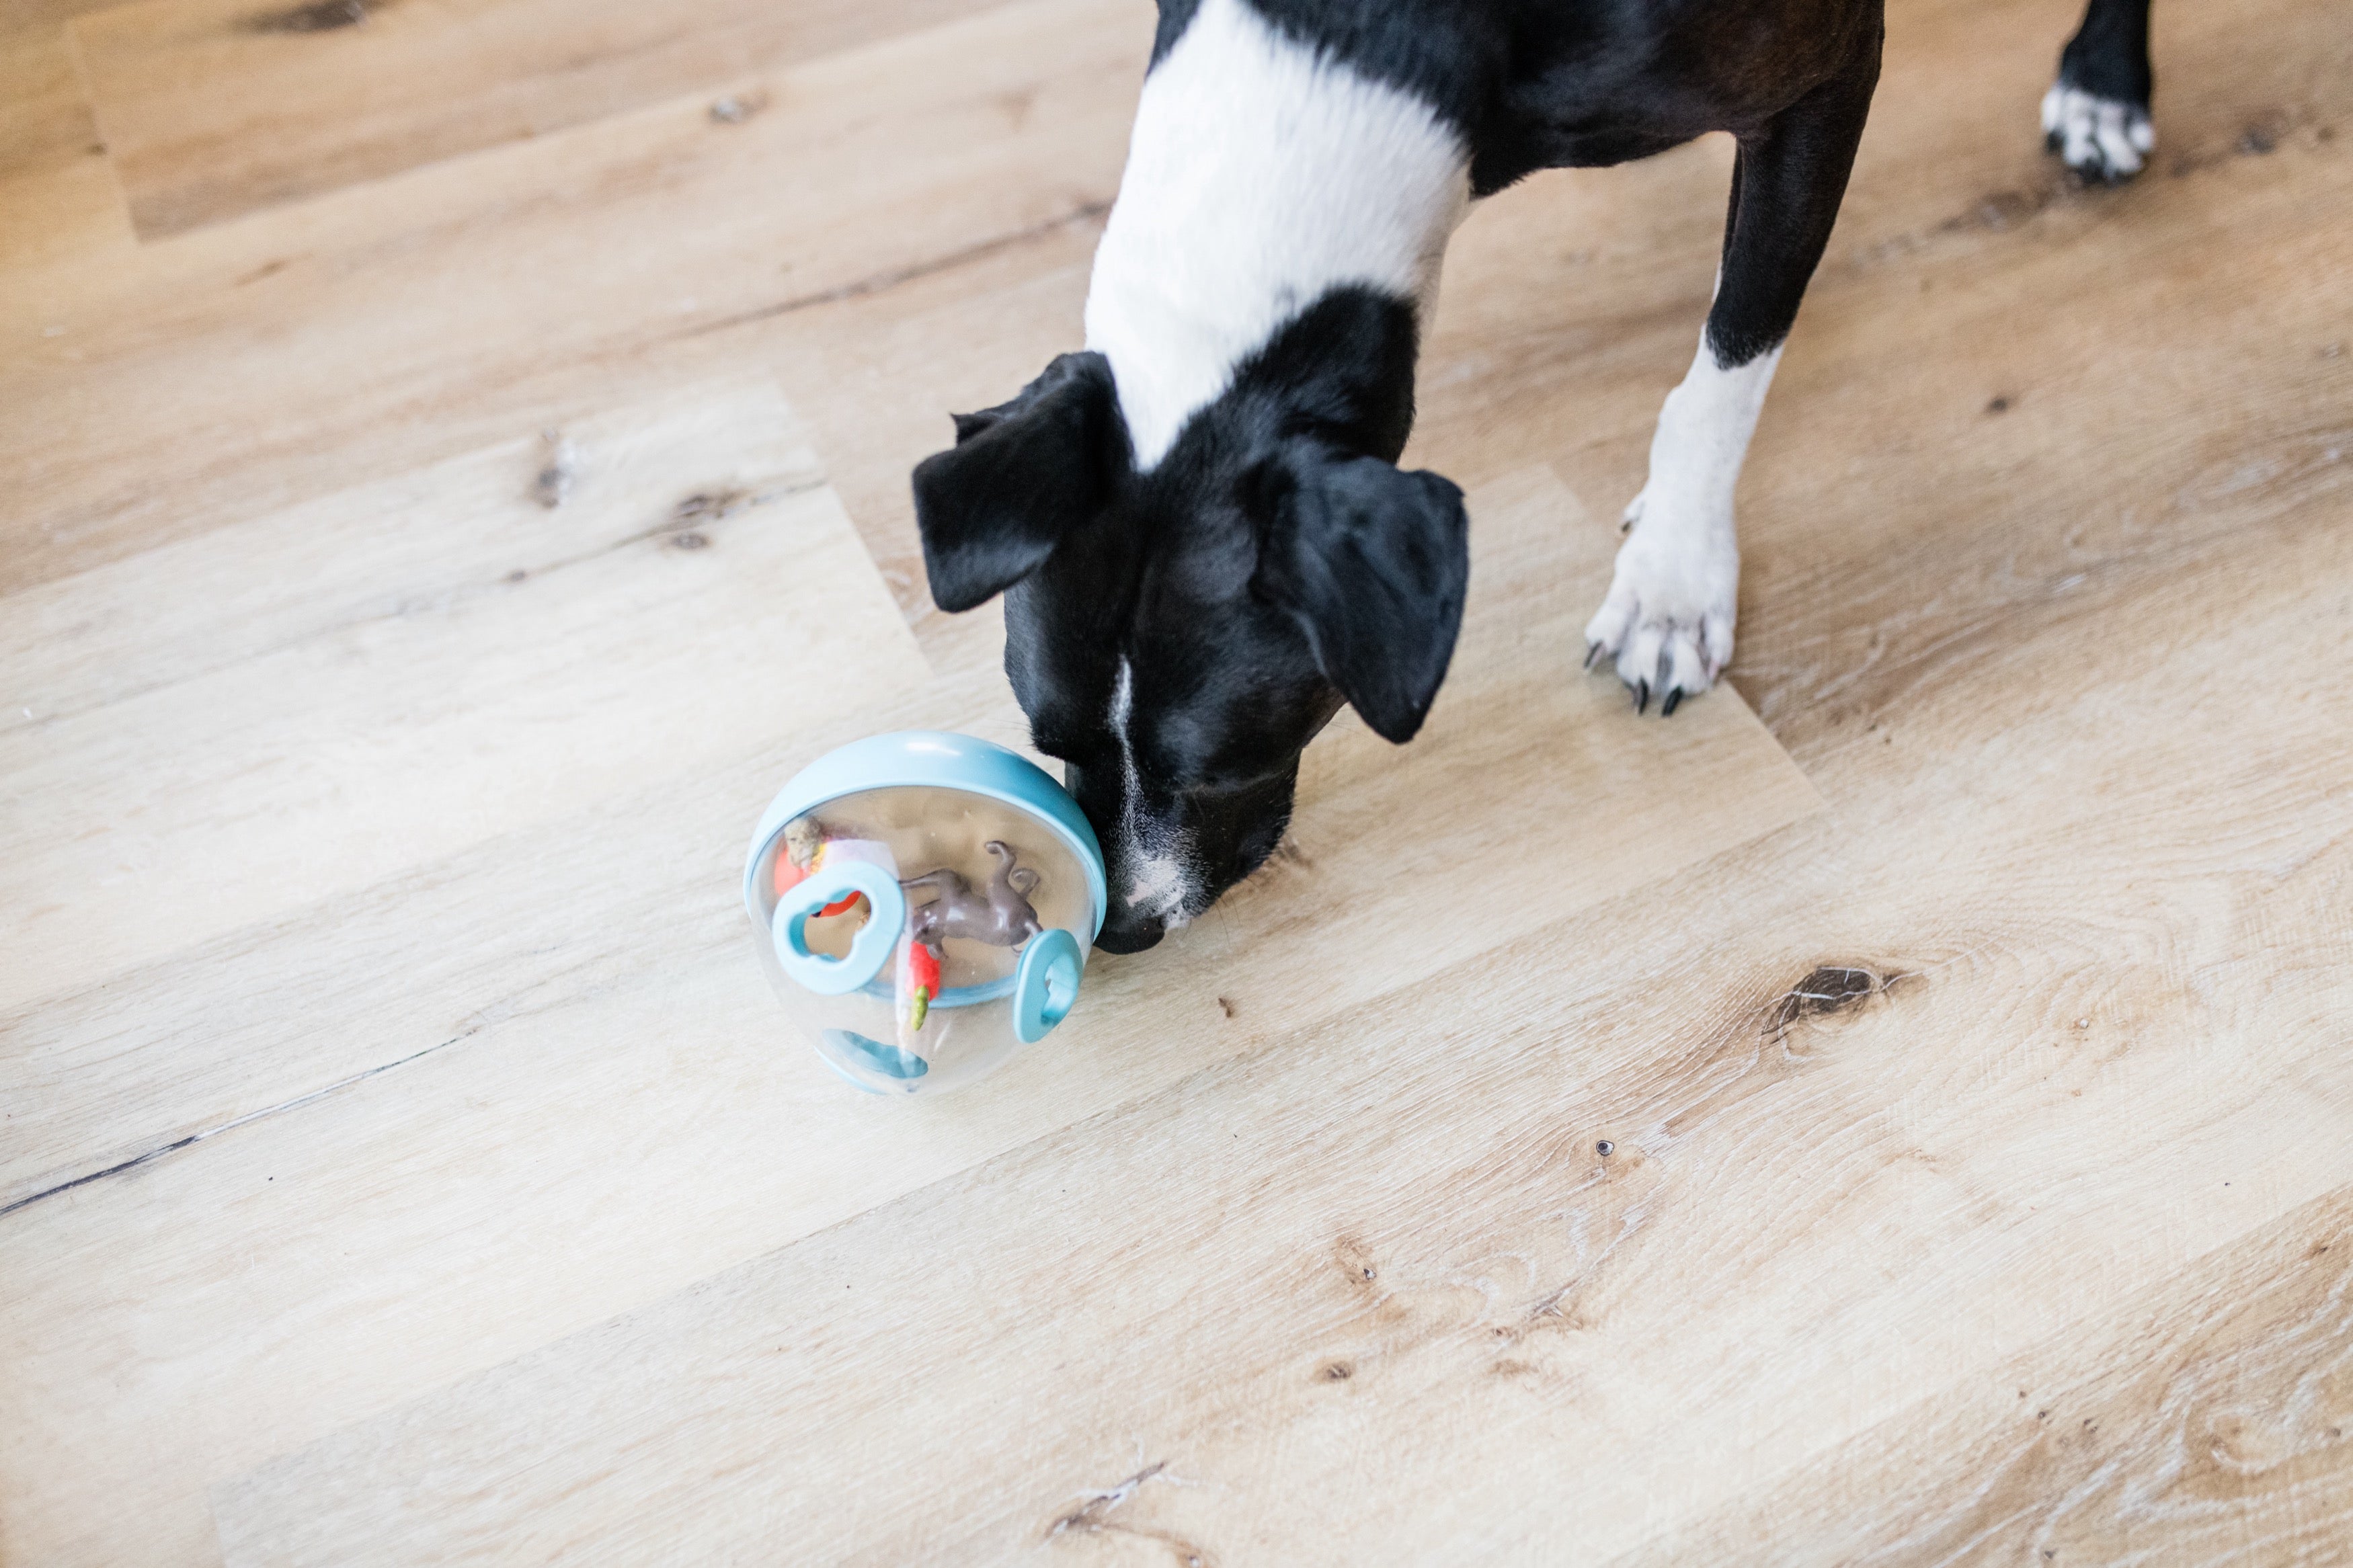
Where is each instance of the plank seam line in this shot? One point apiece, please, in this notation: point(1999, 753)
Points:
point(228, 1126)
point(880, 281)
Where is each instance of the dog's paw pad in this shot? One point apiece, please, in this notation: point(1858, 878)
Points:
point(1666, 624)
point(2103, 139)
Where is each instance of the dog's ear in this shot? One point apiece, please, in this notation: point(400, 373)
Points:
point(1374, 563)
point(1021, 476)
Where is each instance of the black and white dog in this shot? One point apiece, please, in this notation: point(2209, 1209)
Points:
point(1204, 541)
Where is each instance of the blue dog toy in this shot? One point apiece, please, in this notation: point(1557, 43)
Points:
point(923, 903)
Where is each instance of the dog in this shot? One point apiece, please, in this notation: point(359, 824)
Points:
point(1002, 916)
point(1198, 525)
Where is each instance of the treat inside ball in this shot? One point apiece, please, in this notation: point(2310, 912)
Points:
point(923, 904)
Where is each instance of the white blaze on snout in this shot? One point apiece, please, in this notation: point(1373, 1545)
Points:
point(1153, 852)
point(1261, 174)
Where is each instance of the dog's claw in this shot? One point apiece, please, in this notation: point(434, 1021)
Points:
point(1675, 699)
point(1592, 652)
point(1643, 697)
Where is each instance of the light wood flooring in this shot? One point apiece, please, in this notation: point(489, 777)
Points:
point(452, 470)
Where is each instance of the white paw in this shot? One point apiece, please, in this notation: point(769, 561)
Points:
point(1667, 622)
point(2101, 139)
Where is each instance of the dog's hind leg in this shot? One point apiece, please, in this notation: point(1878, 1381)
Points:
point(2095, 116)
point(1668, 619)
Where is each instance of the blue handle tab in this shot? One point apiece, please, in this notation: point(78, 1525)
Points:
point(869, 951)
point(1046, 985)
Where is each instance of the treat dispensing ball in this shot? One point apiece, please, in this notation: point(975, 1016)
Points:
point(923, 902)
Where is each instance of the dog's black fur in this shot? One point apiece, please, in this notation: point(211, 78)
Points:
point(2108, 56)
point(1276, 562)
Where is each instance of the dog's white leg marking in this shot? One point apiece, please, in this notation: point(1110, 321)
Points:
point(1676, 591)
point(2098, 138)
point(1261, 174)
point(1158, 884)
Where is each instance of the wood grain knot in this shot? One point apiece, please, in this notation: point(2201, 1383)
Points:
point(1830, 989)
point(321, 16)
point(710, 506)
point(1355, 1261)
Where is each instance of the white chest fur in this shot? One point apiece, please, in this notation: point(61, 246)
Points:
point(1260, 175)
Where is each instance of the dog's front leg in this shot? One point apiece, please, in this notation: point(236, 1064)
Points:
point(2095, 116)
point(1675, 595)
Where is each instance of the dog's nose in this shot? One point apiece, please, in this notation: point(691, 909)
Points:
point(1126, 932)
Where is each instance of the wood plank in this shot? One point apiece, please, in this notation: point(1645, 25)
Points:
point(200, 748)
point(2206, 1422)
point(529, 278)
point(615, 1054)
point(2066, 508)
point(1382, 1264)
point(59, 198)
point(21, 16)
point(220, 107)
point(528, 505)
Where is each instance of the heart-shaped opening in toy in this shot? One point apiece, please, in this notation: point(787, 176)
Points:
point(830, 931)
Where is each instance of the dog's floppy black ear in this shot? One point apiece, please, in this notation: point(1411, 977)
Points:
point(1020, 477)
point(1374, 563)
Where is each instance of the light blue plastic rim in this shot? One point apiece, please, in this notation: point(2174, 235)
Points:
point(860, 1084)
point(937, 759)
point(1052, 959)
point(870, 1053)
point(869, 949)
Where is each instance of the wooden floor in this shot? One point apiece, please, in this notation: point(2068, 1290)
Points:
point(453, 469)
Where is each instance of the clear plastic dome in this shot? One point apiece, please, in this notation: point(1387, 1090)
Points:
point(920, 935)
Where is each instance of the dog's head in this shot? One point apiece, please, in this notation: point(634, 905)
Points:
point(1177, 635)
